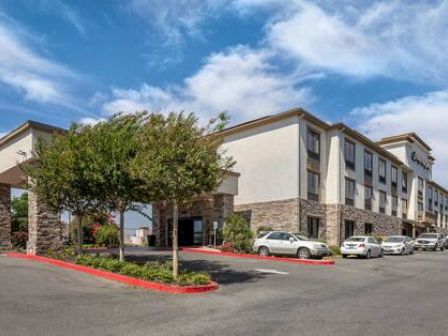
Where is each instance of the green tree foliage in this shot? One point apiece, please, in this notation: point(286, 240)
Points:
point(19, 213)
point(113, 146)
point(237, 231)
point(263, 228)
point(62, 177)
point(107, 235)
point(178, 160)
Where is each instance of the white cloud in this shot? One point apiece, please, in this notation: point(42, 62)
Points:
point(425, 115)
point(37, 78)
point(241, 81)
point(91, 121)
point(397, 38)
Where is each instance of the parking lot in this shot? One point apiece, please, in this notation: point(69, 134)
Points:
point(394, 295)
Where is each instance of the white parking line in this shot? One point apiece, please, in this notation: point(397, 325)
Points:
point(270, 271)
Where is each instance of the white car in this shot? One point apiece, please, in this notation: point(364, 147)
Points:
point(286, 243)
point(361, 246)
point(398, 245)
point(430, 241)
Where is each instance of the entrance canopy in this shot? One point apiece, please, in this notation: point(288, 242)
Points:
point(18, 147)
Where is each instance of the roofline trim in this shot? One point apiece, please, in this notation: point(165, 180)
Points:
point(30, 125)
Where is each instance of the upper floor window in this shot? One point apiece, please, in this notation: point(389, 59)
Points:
point(382, 170)
point(404, 207)
point(350, 154)
point(394, 205)
point(436, 198)
point(313, 186)
point(420, 186)
point(368, 197)
point(430, 191)
point(383, 201)
point(350, 191)
point(394, 175)
point(313, 144)
point(420, 207)
point(404, 182)
point(368, 163)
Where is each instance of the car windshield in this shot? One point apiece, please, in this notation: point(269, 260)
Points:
point(429, 235)
point(355, 239)
point(394, 240)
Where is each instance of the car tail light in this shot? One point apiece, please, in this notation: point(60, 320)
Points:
point(362, 245)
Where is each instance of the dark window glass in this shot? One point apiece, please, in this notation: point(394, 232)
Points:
point(394, 175)
point(350, 191)
point(276, 236)
point(382, 170)
point(313, 227)
point(349, 229)
point(394, 205)
point(368, 228)
point(350, 154)
point(404, 181)
point(313, 144)
point(368, 163)
point(383, 201)
point(313, 186)
point(368, 197)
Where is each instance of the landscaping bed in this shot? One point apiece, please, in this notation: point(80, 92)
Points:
point(151, 275)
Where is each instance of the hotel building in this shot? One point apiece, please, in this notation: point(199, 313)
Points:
point(298, 173)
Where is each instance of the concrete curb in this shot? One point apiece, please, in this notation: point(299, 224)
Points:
point(255, 256)
point(121, 278)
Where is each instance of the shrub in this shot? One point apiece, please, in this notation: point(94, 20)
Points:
point(335, 250)
point(152, 271)
point(107, 235)
point(237, 231)
point(66, 254)
point(19, 239)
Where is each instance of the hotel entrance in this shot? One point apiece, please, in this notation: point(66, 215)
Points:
point(190, 231)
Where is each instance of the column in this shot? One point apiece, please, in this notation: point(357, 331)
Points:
point(44, 227)
point(5, 217)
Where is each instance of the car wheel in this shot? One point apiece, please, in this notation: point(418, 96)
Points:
point(381, 254)
point(369, 254)
point(303, 253)
point(435, 248)
point(344, 256)
point(263, 251)
point(403, 251)
point(412, 251)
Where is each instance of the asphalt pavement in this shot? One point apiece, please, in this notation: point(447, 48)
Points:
point(390, 296)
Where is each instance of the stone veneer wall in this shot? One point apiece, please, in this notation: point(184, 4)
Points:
point(313, 209)
point(5, 216)
point(213, 208)
point(279, 215)
point(44, 227)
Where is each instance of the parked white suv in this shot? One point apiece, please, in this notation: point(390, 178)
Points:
point(361, 246)
point(286, 243)
point(430, 241)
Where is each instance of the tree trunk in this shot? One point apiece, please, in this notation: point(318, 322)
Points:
point(175, 240)
point(121, 247)
point(80, 239)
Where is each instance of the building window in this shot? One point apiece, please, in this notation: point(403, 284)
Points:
point(368, 163)
point(404, 208)
point(382, 170)
point(430, 191)
point(436, 198)
point(313, 186)
point(394, 175)
point(350, 154)
point(420, 207)
point(350, 191)
point(394, 205)
point(420, 186)
point(349, 228)
point(368, 229)
point(368, 197)
point(404, 182)
point(313, 144)
point(313, 227)
point(383, 201)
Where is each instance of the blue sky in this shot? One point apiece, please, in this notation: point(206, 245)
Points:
point(378, 65)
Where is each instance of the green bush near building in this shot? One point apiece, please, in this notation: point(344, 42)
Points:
point(237, 232)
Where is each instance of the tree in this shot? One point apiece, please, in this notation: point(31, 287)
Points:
point(179, 160)
point(19, 213)
point(61, 175)
point(237, 231)
point(113, 145)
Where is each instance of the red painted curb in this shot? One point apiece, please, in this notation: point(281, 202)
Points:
point(121, 278)
point(255, 256)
